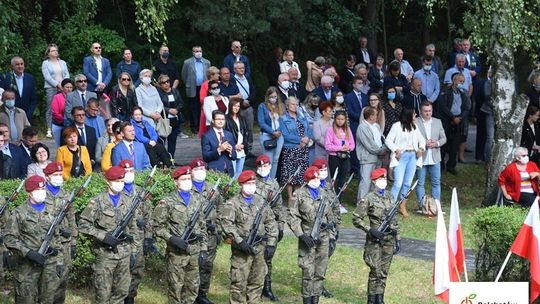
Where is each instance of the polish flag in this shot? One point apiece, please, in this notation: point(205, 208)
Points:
point(527, 245)
point(444, 270)
point(455, 234)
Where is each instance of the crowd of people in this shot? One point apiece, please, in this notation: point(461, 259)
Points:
point(367, 119)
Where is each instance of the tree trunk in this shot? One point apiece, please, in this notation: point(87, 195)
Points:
point(509, 107)
point(371, 17)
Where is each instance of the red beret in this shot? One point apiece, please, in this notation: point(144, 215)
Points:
point(126, 163)
point(320, 163)
point(379, 172)
point(246, 176)
point(53, 167)
point(262, 159)
point(311, 173)
point(114, 173)
point(34, 182)
point(197, 162)
point(181, 171)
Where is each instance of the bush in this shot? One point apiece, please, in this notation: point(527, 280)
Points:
point(495, 229)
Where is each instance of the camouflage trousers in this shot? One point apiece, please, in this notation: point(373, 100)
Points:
point(60, 294)
point(247, 277)
point(36, 284)
point(205, 270)
point(268, 262)
point(378, 258)
point(313, 263)
point(111, 279)
point(182, 277)
point(136, 274)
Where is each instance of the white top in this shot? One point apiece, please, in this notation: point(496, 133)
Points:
point(284, 67)
point(429, 153)
point(99, 68)
point(149, 100)
point(397, 139)
point(209, 105)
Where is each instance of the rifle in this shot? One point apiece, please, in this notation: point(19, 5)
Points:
point(345, 185)
point(211, 198)
point(61, 215)
point(150, 177)
point(385, 225)
point(190, 227)
point(11, 198)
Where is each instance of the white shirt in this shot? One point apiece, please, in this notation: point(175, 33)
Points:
point(99, 68)
point(285, 66)
point(429, 152)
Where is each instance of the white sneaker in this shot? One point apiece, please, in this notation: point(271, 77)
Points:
point(182, 135)
point(342, 210)
point(49, 134)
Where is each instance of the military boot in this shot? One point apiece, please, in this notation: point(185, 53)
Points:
point(129, 300)
point(371, 299)
point(315, 299)
point(267, 291)
point(326, 293)
point(403, 209)
point(379, 299)
point(202, 298)
point(307, 300)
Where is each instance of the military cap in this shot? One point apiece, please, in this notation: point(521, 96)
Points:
point(126, 164)
point(197, 162)
point(34, 182)
point(311, 173)
point(320, 163)
point(262, 159)
point(114, 173)
point(181, 171)
point(53, 167)
point(377, 173)
point(246, 176)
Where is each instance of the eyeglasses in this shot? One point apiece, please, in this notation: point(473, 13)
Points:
point(213, 88)
point(95, 110)
point(97, 48)
point(126, 79)
point(164, 82)
point(82, 81)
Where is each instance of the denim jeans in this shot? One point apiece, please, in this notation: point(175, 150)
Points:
point(435, 179)
point(238, 166)
point(57, 134)
point(403, 174)
point(272, 154)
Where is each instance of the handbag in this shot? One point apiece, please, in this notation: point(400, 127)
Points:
point(343, 155)
point(270, 144)
point(163, 126)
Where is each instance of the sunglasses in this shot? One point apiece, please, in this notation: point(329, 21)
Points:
point(81, 81)
point(164, 82)
point(97, 48)
point(126, 79)
point(213, 88)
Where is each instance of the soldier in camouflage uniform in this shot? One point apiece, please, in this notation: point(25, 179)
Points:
point(248, 266)
point(206, 262)
point(169, 222)
point(331, 194)
point(379, 248)
point(114, 256)
point(37, 276)
point(265, 185)
point(312, 254)
point(56, 197)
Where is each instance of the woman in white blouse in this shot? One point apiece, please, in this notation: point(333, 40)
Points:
point(148, 98)
point(54, 71)
point(288, 62)
point(214, 101)
point(407, 145)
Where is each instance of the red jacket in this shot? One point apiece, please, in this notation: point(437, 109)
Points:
point(512, 180)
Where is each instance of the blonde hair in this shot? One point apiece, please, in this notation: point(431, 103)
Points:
point(278, 106)
point(345, 127)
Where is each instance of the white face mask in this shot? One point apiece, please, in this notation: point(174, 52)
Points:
point(215, 92)
point(272, 99)
point(381, 183)
point(197, 55)
point(57, 180)
point(39, 196)
point(185, 185)
point(524, 160)
point(146, 80)
point(129, 177)
point(263, 172)
point(314, 183)
point(339, 99)
point(249, 189)
point(285, 85)
point(323, 174)
point(117, 187)
point(199, 175)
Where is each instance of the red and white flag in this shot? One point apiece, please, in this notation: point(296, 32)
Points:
point(455, 234)
point(527, 245)
point(444, 270)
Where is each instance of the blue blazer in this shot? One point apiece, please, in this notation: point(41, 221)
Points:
point(139, 132)
point(28, 100)
point(120, 152)
point(90, 70)
point(19, 162)
point(289, 129)
point(320, 92)
point(215, 161)
point(354, 108)
point(230, 59)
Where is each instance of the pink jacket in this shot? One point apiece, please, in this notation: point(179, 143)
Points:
point(333, 142)
point(58, 105)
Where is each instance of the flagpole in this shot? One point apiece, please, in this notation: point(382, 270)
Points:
point(503, 266)
point(465, 269)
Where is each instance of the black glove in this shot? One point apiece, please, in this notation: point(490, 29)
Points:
point(397, 247)
point(193, 238)
point(245, 248)
point(51, 252)
point(177, 242)
point(110, 240)
point(376, 234)
point(132, 262)
point(73, 251)
point(307, 240)
point(140, 223)
point(261, 238)
point(210, 226)
point(331, 247)
point(337, 234)
point(327, 226)
point(36, 257)
point(149, 246)
point(203, 256)
point(392, 232)
point(280, 235)
point(269, 252)
point(65, 232)
point(124, 237)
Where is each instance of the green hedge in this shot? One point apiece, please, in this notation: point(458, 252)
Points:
point(495, 229)
point(83, 262)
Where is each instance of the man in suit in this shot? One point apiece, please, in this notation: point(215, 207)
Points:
point(193, 75)
point(29, 139)
point(413, 98)
point(97, 69)
point(87, 134)
point(326, 89)
point(12, 157)
point(284, 87)
point(433, 132)
point(12, 116)
point(354, 102)
point(247, 90)
point(130, 149)
point(24, 86)
point(78, 97)
point(363, 54)
point(298, 90)
point(217, 146)
point(236, 56)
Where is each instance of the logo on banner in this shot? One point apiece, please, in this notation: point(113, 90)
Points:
point(468, 299)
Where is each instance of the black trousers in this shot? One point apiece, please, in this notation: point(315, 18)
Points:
point(194, 107)
point(454, 135)
point(158, 155)
point(344, 165)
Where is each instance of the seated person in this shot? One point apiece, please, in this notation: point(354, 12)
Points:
point(145, 133)
point(516, 180)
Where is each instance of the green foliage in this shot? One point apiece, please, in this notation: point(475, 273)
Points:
point(151, 16)
point(495, 229)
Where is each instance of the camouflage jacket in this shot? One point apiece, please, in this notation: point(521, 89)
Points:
point(331, 194)
point(271, 184)
point(213, 216)
point(57, 202)
point(304, 210)
point(376, 207)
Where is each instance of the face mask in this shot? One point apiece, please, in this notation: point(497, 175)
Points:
point(461, 86)
point(314, 183)
point(381, 183)
point(272, 99)
point(185, 185)
point(39, 196)
point(358, 87)
point(129, 177)
point(391, 95)
point(146, 80)
point(524, 160)
point(537, 87)
point(249, 189)
point(199, 175)
point(427, 68)
point(339, 99)
point(263, 172)
point(285, 85)
point(197, 55)
point(215, 92)
point(117, 187)
point(57, 180)
point(323, 174)
point(10, 103)
point(165, 55)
